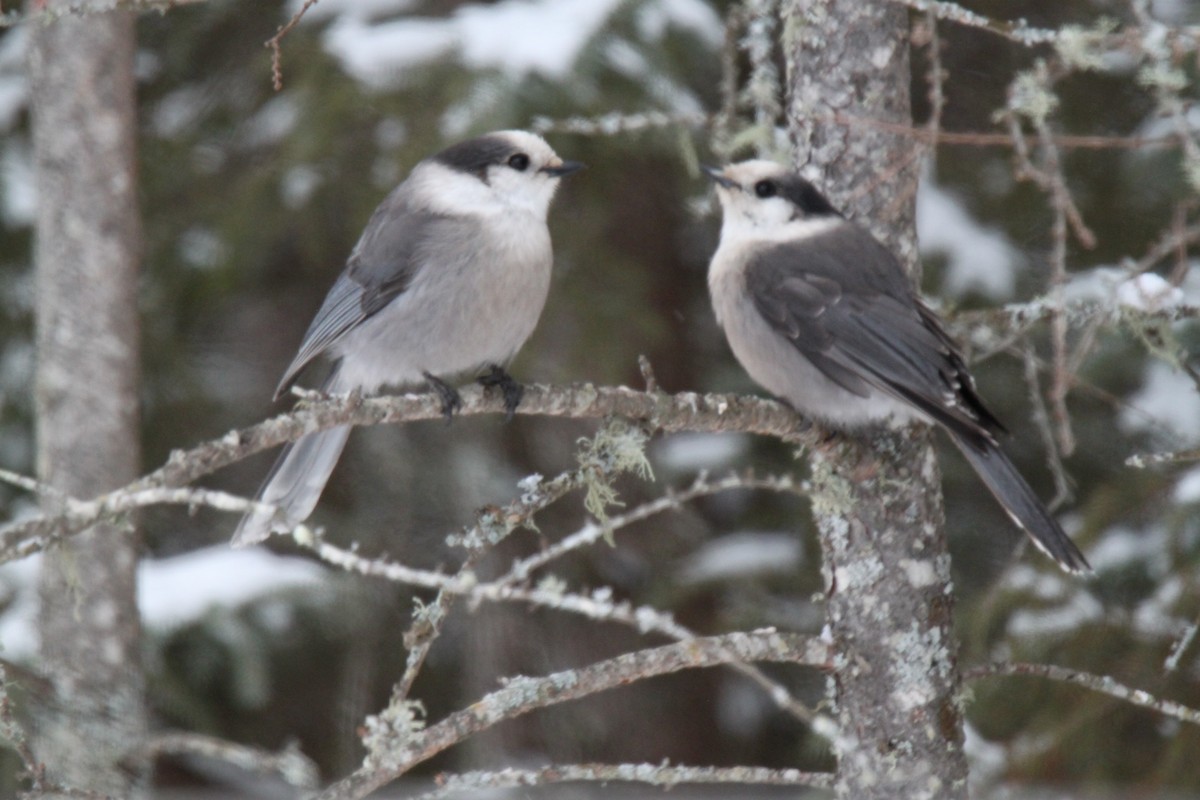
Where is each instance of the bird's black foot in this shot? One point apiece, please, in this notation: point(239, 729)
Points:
point(451, 401)
point(512, 391)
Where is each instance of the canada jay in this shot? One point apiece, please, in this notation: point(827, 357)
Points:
point(823, 315)
point(448, 278)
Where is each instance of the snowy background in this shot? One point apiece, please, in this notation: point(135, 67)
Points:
point(252, 200)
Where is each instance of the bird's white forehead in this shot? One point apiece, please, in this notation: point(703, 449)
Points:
point(750, 172)
point(533, 145)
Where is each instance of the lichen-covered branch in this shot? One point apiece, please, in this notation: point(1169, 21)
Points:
point(393, 755)
point(664, 775)
point(686, 411)
point(1097, 683)
point(289, 763)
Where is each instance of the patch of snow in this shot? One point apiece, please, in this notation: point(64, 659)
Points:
point(298, 185)
point(175, 591)
point(522, 36)
point(178, 111)
point(1122, 546)
point(695, 451)
point(272, 122)
point(358, 9)
point(19, 202)
point(742, 707)
point(979, 258)
point(18, 591)
point(516, 37)
point(742, 555)
point(626, 59)
point(1042, 585)
point(1168, 398)
point(1098, 284)
point(378, 55)
point(988, 760)
point(1079, 609)
point(201, 248)
point(1174, 12)
point(171, 591)
point(1148, 292)
point(1187, 488)
point(1156, 615)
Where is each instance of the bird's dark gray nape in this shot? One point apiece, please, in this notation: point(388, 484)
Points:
point(805, 196)
point(474, 156)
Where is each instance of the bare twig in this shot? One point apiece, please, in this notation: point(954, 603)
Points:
point(273, 44)
point(1171, 663)
point(1142, 461)
point(1041, 420)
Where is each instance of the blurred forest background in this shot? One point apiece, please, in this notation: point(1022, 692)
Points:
point(252, 199)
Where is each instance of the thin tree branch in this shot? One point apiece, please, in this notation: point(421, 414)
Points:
point(522, 695)
point(1097, 683)
point(273, 44)
point(702, 486)
point(551, 593)
point(664, 775)
point(671, 413)
point(289, 763)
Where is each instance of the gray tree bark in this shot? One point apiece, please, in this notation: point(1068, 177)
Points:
point(877, 498)
point(82, 96)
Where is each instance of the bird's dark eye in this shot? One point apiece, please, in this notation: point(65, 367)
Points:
point(764, 189)
point(519, 162)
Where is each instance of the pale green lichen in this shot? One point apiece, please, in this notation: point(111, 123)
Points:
point(1085, 48)
point(552, 585)
point(1162, 76)
point(618, 447)
point(1030, 96)
point(386, 734)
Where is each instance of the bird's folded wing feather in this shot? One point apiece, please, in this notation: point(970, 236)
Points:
point(846, 305)
point(383, 265)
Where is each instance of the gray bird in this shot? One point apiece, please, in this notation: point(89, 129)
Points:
point(448, 279)
point(823, 315)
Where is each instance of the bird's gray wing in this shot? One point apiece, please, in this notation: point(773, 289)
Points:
point(381, 267)
point(845, 303)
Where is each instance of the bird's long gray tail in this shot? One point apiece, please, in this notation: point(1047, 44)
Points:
point(1018, 499)
point(295, 483)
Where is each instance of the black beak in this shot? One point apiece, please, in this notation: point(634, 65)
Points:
point(564, 169)
point(718, 176)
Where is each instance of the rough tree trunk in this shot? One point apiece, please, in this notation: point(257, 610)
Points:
point(86, 259)
point(877, 498)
